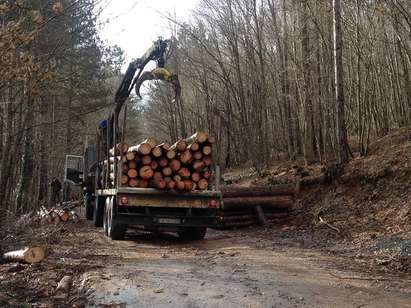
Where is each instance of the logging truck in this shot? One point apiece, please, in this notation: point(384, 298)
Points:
point(115, 200)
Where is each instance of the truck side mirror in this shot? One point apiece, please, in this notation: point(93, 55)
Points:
point(73, 169)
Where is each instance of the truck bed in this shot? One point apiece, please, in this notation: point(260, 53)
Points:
point(155, 208)
point(151, 197)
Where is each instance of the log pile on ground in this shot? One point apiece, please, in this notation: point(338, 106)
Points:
point(184, 165)
point(61, 213)
point(245, 206)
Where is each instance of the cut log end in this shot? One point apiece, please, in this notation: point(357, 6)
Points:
point(28, 255)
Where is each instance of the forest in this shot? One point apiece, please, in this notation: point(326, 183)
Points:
point(273, 80)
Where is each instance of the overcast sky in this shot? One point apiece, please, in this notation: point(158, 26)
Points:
point(135, 24)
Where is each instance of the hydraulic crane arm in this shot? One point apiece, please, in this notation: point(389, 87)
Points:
point(155, 53)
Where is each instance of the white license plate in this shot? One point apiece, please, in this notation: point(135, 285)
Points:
point(169, 220)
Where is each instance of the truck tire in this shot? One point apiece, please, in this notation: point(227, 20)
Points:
point(89, 206)
point(192, 233)
point(98, 214)
point(113, 230)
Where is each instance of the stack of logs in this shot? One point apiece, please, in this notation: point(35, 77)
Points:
point(184, 165)
point(245, 206)
point(60, 213)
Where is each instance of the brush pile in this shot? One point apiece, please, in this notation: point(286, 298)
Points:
point(245, 206)
point(184, 165)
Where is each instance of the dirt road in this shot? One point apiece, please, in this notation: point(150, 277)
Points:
point(232, 269)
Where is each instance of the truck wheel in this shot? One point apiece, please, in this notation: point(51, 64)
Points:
point(192, 233)
point(89, 207)
point(115, 231)
point(98, 214)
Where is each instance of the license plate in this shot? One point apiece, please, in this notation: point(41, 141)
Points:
point(169, 220)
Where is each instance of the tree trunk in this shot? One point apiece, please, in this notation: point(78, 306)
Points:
point(342, 138)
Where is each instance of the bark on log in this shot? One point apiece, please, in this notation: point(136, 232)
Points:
point(281, 202)
point(28, 255)
point(258, 191)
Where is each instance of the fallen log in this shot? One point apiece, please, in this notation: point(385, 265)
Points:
point(28, 255)
point(281, 202)
point(251, 216)
point(258, 191)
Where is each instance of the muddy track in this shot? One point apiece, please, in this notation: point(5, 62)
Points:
point(232, 269)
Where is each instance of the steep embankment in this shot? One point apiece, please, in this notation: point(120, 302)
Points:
point(364, 212)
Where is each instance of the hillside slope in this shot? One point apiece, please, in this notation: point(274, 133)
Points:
point(364, 212)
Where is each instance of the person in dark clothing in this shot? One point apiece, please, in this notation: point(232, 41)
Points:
point(55, 190)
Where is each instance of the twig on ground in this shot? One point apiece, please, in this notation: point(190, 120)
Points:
point(328, 225)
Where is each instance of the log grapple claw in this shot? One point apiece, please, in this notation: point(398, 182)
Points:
point(159, 73)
